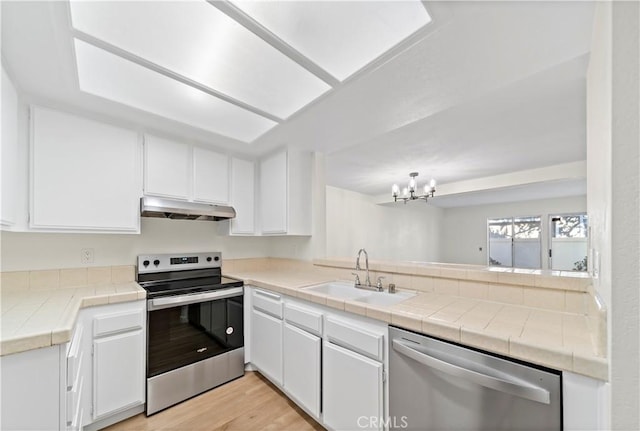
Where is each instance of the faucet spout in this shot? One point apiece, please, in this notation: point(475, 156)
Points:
point(366, 264)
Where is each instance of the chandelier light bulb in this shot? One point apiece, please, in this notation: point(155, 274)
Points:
point(432, 184)
point(405, 192)
point(412, 184)
point(395, 190)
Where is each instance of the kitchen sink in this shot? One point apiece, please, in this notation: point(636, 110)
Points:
point(339, 289)
point(383, 298)
point(346, 290)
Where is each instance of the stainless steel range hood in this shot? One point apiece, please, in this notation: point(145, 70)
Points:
point(181, 210)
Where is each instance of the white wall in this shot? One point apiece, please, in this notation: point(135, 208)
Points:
point(464, 229)
point(401, 232)
point(599, 169)
point(625, 220)
point(21, 251)
point(613, 190)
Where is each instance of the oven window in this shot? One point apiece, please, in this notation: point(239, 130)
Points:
point(186, 334)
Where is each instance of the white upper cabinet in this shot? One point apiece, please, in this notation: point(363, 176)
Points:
point(242, 197)
point(285, 193)
point(9, 152)
point(182, 171)
point(273, 194)
point(210, 176)
point(167, 166)
point(85, 175)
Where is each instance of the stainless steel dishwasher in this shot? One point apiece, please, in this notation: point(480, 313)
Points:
point(435, 385)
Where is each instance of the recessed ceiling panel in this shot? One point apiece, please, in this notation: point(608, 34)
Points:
point(196, 40)
point(104, 74)
point(339, 36)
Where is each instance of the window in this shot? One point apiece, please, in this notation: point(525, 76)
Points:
point(515, 242)
point(568, 242)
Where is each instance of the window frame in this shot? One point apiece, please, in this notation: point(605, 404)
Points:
point(550, 238)
point(513, 239)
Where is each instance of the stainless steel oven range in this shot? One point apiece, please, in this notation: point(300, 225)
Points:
point(195, 337)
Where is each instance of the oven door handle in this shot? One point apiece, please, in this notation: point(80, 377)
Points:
point(194, 298)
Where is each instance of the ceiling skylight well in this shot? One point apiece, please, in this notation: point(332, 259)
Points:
point(197, 41)
point(112, 77)
point(339, 36)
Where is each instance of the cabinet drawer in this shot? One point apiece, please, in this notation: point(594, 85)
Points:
point(118, 322)
point(358, 339)
point(303, 318)
point(270, 303)
point(74, 357)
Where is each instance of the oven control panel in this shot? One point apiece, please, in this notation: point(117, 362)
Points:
point(178, 262)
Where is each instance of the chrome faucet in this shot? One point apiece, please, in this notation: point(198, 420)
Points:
point(366, 263)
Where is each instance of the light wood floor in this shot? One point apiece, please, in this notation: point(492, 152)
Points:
point(246, 404)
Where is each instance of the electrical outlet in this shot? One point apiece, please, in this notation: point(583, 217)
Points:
point(86, 255)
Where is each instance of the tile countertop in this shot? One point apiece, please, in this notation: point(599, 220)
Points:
point(41, 317)
point(555, 339)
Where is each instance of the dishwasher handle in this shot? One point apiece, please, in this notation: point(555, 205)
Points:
point(530, 392)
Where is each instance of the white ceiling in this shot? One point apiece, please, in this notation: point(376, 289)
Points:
point(489, 88)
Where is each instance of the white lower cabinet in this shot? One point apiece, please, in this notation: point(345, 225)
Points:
point(266, 352)
point(266, 334)
point(89, 383)
point(75, 381)
point(118, 359)
point(352, 390)
point(116, 365)
point(301, 359)
point(330, 363)
point(302, 355)
point(33, 391)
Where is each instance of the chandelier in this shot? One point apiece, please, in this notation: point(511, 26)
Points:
point(409, 193)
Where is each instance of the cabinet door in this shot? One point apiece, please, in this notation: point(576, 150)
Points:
point(9, 152)
point(243, 196)
point(118, 373)
point(351, 390)
point(274, 194)
point(31, 393)
point(167, 168)
point(210, 176)
point(302, 367)
point(85, 175)
point(266, 345)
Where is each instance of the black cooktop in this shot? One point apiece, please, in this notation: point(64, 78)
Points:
point(173, 283)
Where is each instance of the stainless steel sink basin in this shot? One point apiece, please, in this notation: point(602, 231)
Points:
point(346, 290)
